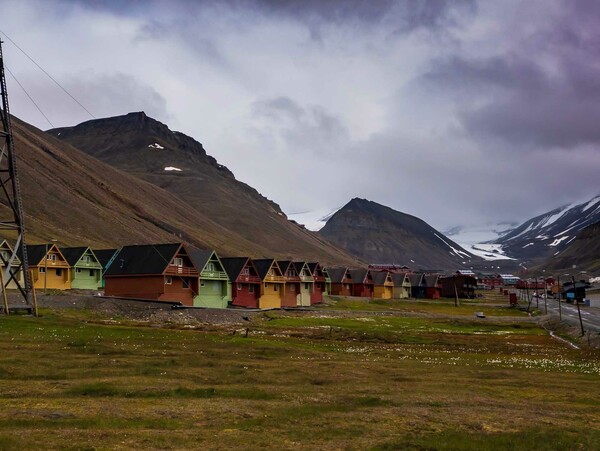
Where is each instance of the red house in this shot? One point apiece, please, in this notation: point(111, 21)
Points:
point(433, 287)
point(341, 281)
point(463, 286)
point(158, 272)
point(362, 283)
point(292, 283)
point(245, 282)
point(320, 287)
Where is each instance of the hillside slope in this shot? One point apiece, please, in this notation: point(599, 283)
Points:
point(149, 150)
point(77, 199)
point(550, 233)
point(379, 234)
point(583, 252)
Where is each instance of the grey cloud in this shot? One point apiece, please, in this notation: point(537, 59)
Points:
point(309, 126)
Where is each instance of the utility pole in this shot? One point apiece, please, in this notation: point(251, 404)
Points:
point(10, 196)
point(559, 299)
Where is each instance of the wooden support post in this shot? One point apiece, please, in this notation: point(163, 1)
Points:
point(34, 294)
point(5, 301)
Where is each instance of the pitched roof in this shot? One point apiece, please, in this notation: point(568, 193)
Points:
point(233, 266)
point(262, 266)
point(104, 255)
point(415, 279)
point(431, 280)
point(398, 278)
point(312, 266)
point(200, 257)
point(73, 254)
point(36, 252)
point(143, 259)
point(336, 274)
point(299, 266)
point(379, 277)
point(359, 275)
point(284, 265)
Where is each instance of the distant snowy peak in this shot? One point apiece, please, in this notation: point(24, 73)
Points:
point(477, 239)
point(551, 231)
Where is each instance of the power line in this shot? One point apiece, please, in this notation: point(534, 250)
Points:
point(27, 94)
point(48, 75)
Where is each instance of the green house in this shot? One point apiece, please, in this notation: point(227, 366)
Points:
point(214, 287)
point(86, 270)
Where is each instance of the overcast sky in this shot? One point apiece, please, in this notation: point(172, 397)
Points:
point(457, 111)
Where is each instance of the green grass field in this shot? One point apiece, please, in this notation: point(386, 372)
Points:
point(296, 381)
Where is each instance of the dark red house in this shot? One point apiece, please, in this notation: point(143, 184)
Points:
point(463, 286)
point(292, 283)
point(320, 287)
point(362, 283)
point(245, 282)
point(341, 281)
point(158, 272)
point(433, 287)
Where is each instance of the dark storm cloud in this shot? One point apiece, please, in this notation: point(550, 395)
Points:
point(544, 91)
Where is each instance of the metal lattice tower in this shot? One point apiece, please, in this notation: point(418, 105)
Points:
point(11, 212)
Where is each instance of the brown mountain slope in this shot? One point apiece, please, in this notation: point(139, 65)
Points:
point(144, 147)
point(583, 252)
point(379, 234)
point(77, 199)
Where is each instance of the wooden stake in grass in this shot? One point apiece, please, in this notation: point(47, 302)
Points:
point(34, 294)
point(4, 300)
point(455, 292)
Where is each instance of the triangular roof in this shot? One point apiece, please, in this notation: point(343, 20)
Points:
point(313, 266)
point(359, 275)
point(399, 278)
point(337, 274)
point(6, 245)
point(284, 265)
point(36, 252)
point(431, 280)
point(200, 257)
point(416, 279)
point(300, 266)
point(73, 254)
point(263, 265)
point(380, 277)
point(233, 266)
point(143, 259)
point(104, 255)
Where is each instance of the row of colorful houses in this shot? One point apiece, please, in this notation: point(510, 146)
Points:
point(193, 277)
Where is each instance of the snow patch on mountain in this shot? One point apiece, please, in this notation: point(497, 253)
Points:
point(155, 146)
point(477, 239)
point(313, 219)
point(173, 168)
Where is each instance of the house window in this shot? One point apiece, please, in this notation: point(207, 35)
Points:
point(239, 286)
point(185, 283)
point(306, 286)
point(42, 270)
point(246, 272)
point(87, 259)
point(5, 255)
point(271, 272)
point(202, 285)
point(51, 257)
point(177, 261)
point(77, 269)
point(168, 280)
point(250, 288)
point(59, 272)
point(276, 287)
point(292, 273)
point(210, 267)
point(92, 273)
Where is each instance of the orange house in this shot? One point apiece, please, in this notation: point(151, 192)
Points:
point(49, 267)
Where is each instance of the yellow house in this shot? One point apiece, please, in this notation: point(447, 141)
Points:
point(49, 267)
point(16, 270)
point(383, 285)
point(272, 288)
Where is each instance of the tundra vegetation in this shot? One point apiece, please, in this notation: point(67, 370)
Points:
point(350, 375)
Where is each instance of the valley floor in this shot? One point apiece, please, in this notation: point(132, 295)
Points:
point(349, 375)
